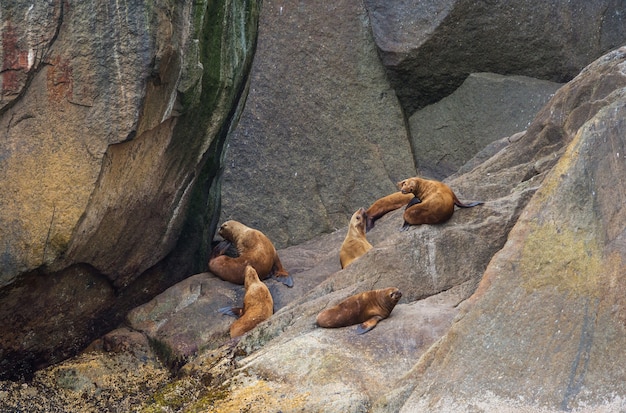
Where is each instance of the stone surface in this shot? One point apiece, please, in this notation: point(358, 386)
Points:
point(114, 117)
point(513, 306)
point(486, 108)
point(322, 132)
point(429, 47)
point(549, 313)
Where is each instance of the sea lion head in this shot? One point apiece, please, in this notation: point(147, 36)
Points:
point(359, 219)
point(407, 186)
point(394, 295)
point(230, 229)
point(388, 298)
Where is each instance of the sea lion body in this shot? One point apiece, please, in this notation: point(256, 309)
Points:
point(384, 205)
point(253, 248)
point(258, 305)
point(366, 309)
point(355, 244)
point(435, 204)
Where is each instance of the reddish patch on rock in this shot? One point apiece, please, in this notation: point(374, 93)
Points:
point(59, 79)
point(14, 62)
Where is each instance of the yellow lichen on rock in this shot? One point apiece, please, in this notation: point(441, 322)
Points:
point(260, 396)
point(561, 258)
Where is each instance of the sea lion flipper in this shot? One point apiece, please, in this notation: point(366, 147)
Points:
point(285, 279)
point(369, 223)
point(231, 311)
point(224, 247)
point(404, 226)
point(367, 325)
point(413, 201)
point(471, 204)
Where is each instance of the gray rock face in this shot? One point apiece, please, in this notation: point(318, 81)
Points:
point(322, 132)
point(546, 308)
point(114, 118)
point(487, 107)
point(429, 47)
point(547, 320)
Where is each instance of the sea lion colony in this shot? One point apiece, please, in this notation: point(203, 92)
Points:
point(246, 256)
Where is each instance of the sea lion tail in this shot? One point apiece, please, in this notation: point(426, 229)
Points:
point(462, 205)
point(471, 204)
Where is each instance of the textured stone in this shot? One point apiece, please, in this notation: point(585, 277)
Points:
point(429, 47)
point(114, 116)
point(484, 109)
point(322, 132)
point(547, 321)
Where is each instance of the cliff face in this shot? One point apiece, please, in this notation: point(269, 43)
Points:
point(514, 305)
point(333, 89)
point(517, 303)
point(114, 118)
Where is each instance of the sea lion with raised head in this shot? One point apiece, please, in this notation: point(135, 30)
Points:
point(258, 305)
point(355, 244)
point(252, 247)
point(365, 309)
point(433, 203)
point(384, 205)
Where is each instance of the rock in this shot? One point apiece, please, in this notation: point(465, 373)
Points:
point(322, 133)
point(484, 109)
point(536, 307)
point(429, 47)
point(114, 120)
point(546, 325)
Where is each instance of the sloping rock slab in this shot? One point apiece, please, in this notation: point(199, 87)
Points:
point(547, 325)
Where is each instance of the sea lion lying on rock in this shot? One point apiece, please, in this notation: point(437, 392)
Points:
point(355, 244)
point(365, 309)
point(253, 248)
point(433, 203)
point(258, 305)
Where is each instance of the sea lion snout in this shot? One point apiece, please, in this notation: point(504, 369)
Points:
point(362, 213)
point(396, 295)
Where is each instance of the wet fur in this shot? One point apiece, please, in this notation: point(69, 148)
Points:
point(258, 305)
point(252, 247)
point(366, 309)
point(355, 244)
point(437, 201)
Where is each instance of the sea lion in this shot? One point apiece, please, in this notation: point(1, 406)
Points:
point(253, 248)
point(258, 305)
point(434, 204)
point(355, 244)
point(386, 204)
point(365, 309)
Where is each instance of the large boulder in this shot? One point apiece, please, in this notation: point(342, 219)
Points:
point(546, 326)
point(485, 108)
point(429, 47)
point(114, 120)
point(322, 132)
point(516, 305)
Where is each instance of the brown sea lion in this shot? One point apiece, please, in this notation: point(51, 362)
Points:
point(252, 247)
point(258, 305)
point(386, 204)
point(433, 203)
point(365, 309)
point(355, 244)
